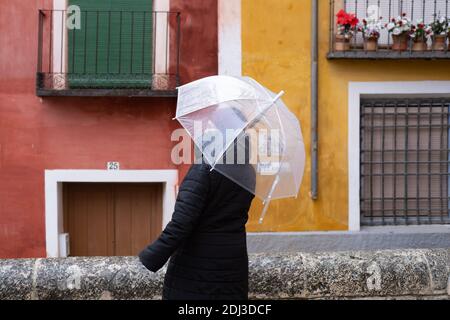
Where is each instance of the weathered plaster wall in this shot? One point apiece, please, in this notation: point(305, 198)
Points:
point(276, 51)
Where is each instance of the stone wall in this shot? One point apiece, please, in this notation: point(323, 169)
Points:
point(389, 274)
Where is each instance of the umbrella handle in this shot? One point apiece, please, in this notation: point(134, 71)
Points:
point(263, 213)
point(266, 202)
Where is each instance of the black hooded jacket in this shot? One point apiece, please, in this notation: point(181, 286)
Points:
point(206, 238)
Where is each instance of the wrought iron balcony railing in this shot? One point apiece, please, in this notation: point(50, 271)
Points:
point(426, 11)
point(108, 53)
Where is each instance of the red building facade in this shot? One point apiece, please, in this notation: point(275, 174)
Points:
point(79, 132)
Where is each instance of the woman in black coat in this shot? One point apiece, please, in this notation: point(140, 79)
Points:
point(206, 238)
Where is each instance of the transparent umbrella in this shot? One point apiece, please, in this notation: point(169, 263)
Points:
point(245, 132)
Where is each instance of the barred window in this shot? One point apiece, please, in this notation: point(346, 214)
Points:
point(405, 153)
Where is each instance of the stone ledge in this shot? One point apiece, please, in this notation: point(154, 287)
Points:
point(387, 274)
point(368, 238)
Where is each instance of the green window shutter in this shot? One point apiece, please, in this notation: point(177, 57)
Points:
point(114, 47)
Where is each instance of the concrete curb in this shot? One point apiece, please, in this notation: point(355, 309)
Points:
point(386, 274)
point(368, 238)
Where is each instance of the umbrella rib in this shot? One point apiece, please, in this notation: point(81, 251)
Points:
point(192, 110)
point(246, 125)
point(266, 201)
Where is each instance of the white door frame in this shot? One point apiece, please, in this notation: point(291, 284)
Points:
point(53, 195)
point(358, 90)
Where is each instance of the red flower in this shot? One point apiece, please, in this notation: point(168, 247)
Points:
point(353, 20)
point(346, 19)
point(341, 15)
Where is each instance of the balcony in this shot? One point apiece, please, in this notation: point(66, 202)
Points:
point(425, 10)
point(108, 53)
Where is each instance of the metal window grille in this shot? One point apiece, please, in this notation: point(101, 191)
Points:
point(109, 50)
point(426, 10)
point(405, 161)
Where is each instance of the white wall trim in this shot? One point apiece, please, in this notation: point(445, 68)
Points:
point(53, 195)
point(161, 37)
point(59, 43)
point(230, 37)
point(357, 90)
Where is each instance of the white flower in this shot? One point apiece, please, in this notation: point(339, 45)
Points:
point(391, 26)
point(397, 31)
point(442, 20)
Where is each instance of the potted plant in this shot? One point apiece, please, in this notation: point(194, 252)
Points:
point(346, 24)
point(448, 32)
point(371, 30)
point(439, 29)
point(419, 35)
point(399, 28)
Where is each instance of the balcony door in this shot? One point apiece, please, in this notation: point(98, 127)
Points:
point(114, 46)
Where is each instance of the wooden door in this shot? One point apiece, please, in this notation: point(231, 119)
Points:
point(138, 216)
point(117, 219)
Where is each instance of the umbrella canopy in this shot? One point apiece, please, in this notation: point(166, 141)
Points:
point(245, 132)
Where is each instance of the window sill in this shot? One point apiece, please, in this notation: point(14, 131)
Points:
point(388, 55)
point(105, 93)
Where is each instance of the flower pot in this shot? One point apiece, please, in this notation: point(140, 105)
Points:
point(371, 44)
point(439, 42)
point(342, 42)
point(400, 42)
point(419, 45)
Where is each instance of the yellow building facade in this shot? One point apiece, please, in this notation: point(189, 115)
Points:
point(276, 50)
